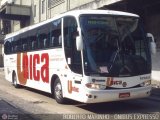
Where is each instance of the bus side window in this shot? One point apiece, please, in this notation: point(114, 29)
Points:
point(16, 48)
point(45, 45)
point(24, 44)
point(7, 47)
point(32, 41)
point(56, 39)
point(24, 47)
point(43, 39)
point(43, 36)
point(22, 39)
point(33, 45)
point(52, 41)
point(12, 47)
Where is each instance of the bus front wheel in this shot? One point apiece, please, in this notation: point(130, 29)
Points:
point(58, 94)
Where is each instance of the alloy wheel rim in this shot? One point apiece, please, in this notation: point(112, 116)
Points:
point(58, 91)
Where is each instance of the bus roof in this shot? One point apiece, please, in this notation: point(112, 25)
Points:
point(107, 12)
point(74, 13)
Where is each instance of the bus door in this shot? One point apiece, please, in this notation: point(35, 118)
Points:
point(73, 57)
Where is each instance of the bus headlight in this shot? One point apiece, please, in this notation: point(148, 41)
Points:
point(95, 86)
point(146, 83)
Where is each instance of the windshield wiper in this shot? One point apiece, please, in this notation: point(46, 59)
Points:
point(100, 36)
point(113, 59)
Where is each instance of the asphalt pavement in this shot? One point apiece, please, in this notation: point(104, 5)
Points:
point(10, 112)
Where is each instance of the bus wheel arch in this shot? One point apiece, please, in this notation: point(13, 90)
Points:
point(14, 80)
point(56, 89)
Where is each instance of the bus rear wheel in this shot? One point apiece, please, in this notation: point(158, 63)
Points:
point(58, 94)
point(14, 80)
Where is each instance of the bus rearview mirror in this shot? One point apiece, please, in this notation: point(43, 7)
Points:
point(152, 43)
point(79, 43)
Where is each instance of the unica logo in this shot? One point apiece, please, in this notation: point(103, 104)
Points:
point(72, 88)
point(111, 82)
point(69, 86)
point(27, 67)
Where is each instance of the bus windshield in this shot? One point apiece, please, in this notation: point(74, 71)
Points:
point(114, 46)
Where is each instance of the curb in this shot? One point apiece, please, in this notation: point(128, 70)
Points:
point(155, 83)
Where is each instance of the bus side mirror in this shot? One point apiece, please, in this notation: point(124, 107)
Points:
point(79, 43)
point(152, 43)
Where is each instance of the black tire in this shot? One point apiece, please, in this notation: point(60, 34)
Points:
point(58, 93)
point(14, 81)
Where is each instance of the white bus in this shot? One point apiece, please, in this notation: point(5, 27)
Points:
point(89, 56)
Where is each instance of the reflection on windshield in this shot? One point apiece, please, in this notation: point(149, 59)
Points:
point(114, 46)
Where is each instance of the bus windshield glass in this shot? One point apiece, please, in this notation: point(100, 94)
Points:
point(114, 46)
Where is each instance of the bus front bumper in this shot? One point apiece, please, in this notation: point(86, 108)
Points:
point(96, 96)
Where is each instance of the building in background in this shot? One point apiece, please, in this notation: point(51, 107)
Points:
point(17, 14)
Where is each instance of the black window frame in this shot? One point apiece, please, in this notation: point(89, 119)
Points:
point(33, 37)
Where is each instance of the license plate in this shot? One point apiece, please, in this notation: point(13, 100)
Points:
point(124, 95)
